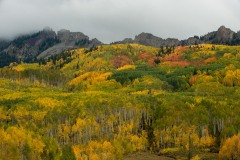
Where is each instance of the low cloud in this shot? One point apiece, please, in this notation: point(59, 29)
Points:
point(111, 20)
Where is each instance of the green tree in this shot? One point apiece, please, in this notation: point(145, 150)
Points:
point(67, 153)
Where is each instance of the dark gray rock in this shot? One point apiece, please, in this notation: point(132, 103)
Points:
point(44, 43)
point(151, 40)
point(191, 41)
point(236, 38)
point(67, 37)
point(224, 35)
point(125, 41)
point(26, 48)
point(209, 38)
point(172, 42)
point(69, 40)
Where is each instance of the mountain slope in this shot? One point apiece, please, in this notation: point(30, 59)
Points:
point(42, 44)
point(112, 100)
point(26, 48)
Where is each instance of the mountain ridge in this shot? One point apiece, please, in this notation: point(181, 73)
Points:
point(222, 36)
point(45, 43)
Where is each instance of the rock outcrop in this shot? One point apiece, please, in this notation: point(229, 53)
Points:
point(150, 40)
point(69, 40)
point(191, 41)
point(236, 38)
point(26, 48)
point(44, 43)
point(222, 36)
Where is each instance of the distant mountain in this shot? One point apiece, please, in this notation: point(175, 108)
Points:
point(44, 43)
point(222, 36)
point(150, 40)
point(69, 40)
point(47, 42)
point(26, 48)
point(3, 44)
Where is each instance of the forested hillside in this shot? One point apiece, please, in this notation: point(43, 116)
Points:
point(113, 100)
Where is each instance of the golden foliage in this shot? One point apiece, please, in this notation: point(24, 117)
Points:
point(230, 148)
point(24, 66)
point(89, 78)
point(126, 67)
point(48, 103)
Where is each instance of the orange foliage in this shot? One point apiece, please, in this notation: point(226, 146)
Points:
point(180, 49)
point(172, 57)
point(175, 59)
point(198, 63)
point(193, 79)
point(147, 57)
point(179, 63)
point(209, 60)
point(121, 60)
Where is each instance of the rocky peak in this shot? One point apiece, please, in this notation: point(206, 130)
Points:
point(191, 41)
point(70, 40)
point(146, 36)
point(47, 29)
point(151, 40)
point(95, 42)
point(224, 35)
point(148, 39)
point(172, 42)
point(127, 40)
point(67, 36)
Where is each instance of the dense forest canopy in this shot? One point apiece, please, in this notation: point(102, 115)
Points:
point(112, 100)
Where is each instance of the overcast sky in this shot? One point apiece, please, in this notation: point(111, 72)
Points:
point(112, 20)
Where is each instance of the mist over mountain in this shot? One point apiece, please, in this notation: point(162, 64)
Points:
point(42, 44)
point(28, 48)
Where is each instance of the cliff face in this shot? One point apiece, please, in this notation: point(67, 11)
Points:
point(66, 36)
point(222, 36)
point(44, 43)
point(69, 40)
